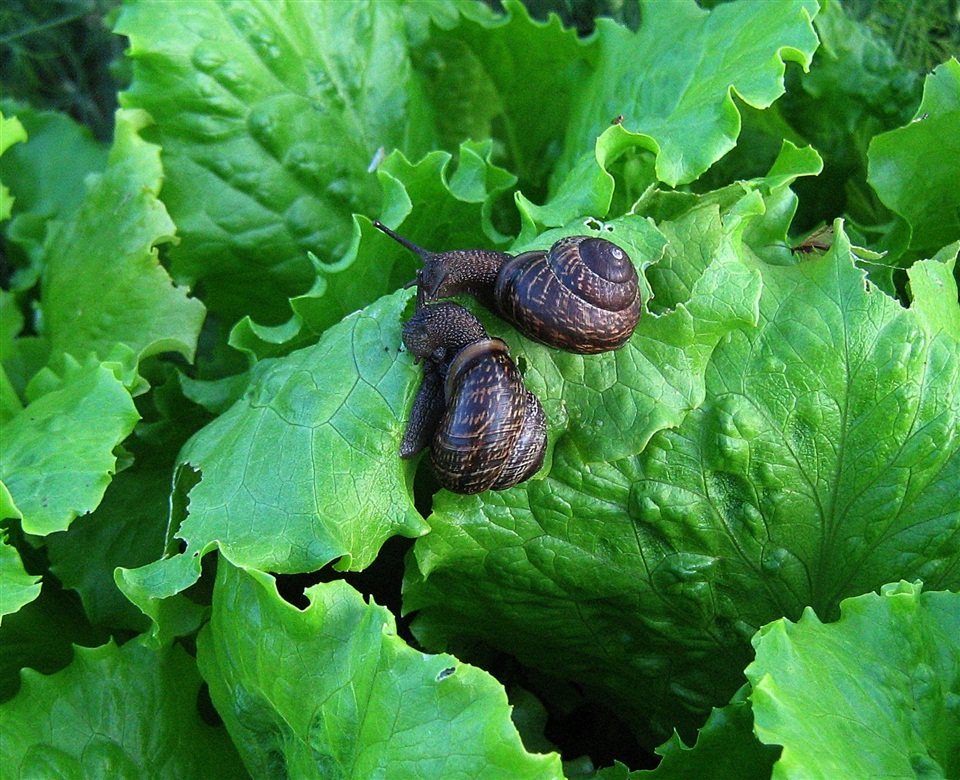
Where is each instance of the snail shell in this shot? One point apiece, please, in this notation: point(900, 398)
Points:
point(485, 430)
point(582, 295)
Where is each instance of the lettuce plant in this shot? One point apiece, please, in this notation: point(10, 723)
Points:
point(213, 561)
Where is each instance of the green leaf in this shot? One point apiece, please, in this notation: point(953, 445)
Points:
point(304, 469)
point(103, 283)
point(726, 749)
point(614, 402)
point(511, 78)
point(16, 586)
point(11, 132)
point(41, 635)
point(91, 409)
point(913, 168)
point(269, 116)
point(874, 694)
point(822, 463)
point(126, 529)
point(673, 79)
point(856, 88)
point(453, 204)
point(127, 712)
point(363, 703)
point(47, 173)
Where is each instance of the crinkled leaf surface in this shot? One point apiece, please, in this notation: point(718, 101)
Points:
point(453, 203)
point(673, 79)
point(914, 168)
point(91, 409)
point(11, 132)
point(614, 402)
point(823, 461)
point(16, 586)
point(303, 469)
point(127, 712)
point(332, 691)
point(269, 115)
point(874, 694)
point(47, 175)
point(102, 283)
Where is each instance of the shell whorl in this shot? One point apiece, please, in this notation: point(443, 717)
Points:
point(582, 295)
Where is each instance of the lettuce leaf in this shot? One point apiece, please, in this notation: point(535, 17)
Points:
point(124, 712)
point(332, 691)
point(49, 484)
point(512, 78)
point(913, 168)
point(303, 469)
point(16, 586)
point(673, 80)
point(269, 117)
point(11, 132)
point(454, 202)
point(102, 282)
point(644, 578)
point(897, 716)
point(47, 174)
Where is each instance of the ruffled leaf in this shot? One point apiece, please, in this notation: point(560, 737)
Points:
point(364, 702)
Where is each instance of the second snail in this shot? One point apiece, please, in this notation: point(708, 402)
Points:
point(485, 430)
point(582, 295)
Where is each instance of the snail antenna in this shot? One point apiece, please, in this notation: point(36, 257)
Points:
point(419, 251)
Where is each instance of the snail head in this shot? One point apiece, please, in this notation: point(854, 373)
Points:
point(438, 331)
point(455, 272)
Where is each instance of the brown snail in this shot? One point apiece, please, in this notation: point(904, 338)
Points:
point(581, 295)
point(485, 430)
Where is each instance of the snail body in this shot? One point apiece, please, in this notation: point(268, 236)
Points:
point(582, 295)
point(485, 430)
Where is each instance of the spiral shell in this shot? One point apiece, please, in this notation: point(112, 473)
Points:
point(582, 295)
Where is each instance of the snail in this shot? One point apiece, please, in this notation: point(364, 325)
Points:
point(581, 295)
point(485, 430)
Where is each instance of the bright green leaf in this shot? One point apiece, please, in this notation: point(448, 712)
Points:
point(57, 455)
point(16, 586)
point(269, 116)
point(103, 283)
point(874, 694)
point(304, 469)
point(332, 691)
point(914, 168)
point(673, 80)
point(11, 132)
point(128, 712)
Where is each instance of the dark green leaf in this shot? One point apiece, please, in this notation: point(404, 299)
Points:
point(269, 116)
